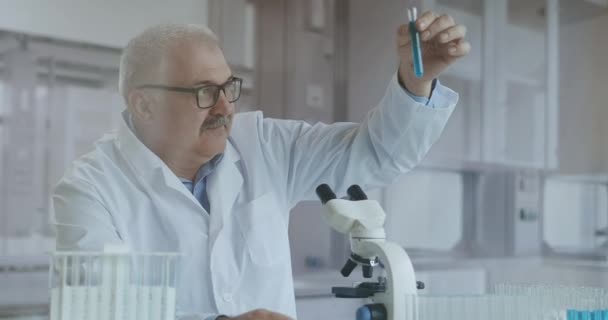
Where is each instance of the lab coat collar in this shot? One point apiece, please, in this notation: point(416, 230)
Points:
point(143, 161)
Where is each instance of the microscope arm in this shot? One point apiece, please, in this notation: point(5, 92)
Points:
point(400, 277)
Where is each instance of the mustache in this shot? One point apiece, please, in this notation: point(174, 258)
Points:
point(216, 122)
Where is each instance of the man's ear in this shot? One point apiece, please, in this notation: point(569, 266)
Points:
point(140, 104)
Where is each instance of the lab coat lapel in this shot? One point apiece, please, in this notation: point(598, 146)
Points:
point(150, 168)
point(223, 188)
point(172, 181)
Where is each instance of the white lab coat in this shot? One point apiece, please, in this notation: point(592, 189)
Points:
point(237, 258)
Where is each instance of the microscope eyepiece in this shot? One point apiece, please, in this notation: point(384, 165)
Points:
point(325, 193)
point(356, 193)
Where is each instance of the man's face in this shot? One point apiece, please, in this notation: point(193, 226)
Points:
point(181, 123)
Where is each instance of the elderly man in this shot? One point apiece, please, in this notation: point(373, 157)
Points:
point(185, 173)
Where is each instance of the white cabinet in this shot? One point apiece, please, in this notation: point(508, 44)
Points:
point(234, 23)
point(415, 219)
point(583, 94)
point(514, 84)
point(544, 93)
point(576, 216)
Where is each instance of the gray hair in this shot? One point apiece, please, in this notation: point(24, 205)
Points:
point(147, 50)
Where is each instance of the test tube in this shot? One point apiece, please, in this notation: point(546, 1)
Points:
point(415, 39)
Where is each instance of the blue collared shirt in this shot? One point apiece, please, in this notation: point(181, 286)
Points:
point(198, 187)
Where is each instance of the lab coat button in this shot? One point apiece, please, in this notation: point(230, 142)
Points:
point(227, 297)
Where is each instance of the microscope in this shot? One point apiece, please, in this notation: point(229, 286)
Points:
point(363, 220)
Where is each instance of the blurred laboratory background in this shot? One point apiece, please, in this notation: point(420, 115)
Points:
point(515, 190)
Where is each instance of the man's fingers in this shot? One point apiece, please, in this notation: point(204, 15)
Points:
point(453, 33)
point(439, 25)
point(425, 20)
point(403, 36)
point(448, 37)
point(403, 30)
point(458, 48)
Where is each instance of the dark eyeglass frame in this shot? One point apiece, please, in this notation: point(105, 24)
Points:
point(195, 90)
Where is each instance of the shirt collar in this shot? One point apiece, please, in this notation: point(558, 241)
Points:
point(205, 170)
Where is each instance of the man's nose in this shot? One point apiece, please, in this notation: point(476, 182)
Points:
point(223, 106)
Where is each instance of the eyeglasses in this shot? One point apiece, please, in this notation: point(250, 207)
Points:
point(206, 95)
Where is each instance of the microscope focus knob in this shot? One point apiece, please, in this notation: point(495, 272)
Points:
point(375, 311)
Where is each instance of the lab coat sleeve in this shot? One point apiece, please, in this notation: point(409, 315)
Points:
point(441, 96)
point(391, 140)
point(81, 221)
